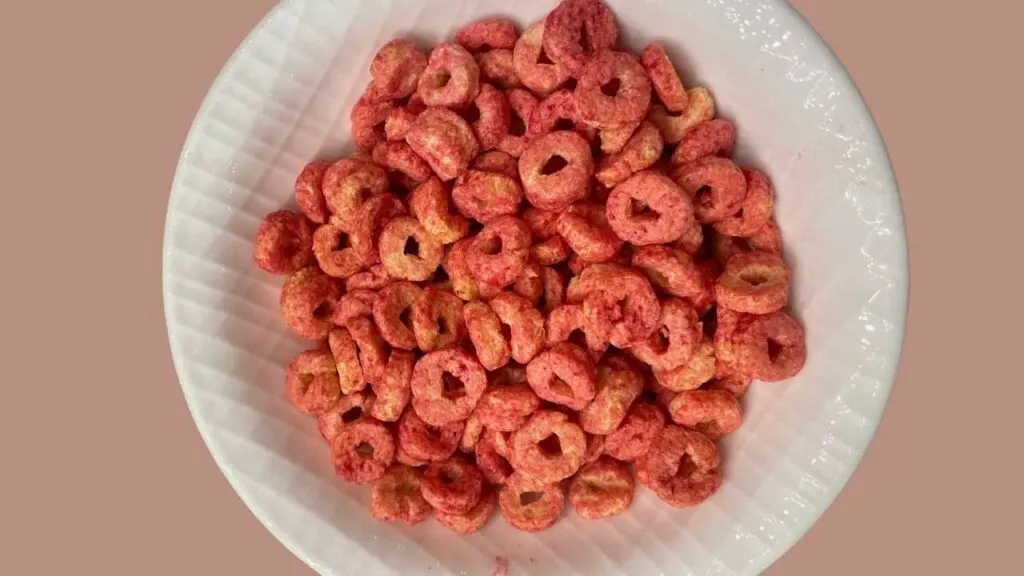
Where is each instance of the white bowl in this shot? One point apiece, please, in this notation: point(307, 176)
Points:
point(283, 99)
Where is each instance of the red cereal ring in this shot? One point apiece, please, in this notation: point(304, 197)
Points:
point(675, 340)
point(284, 243)
point(408, 251)
point(775, 348)
point(346, 360)
point(437, 319)
point(563, 374)
point(396, 69)
point(526, 325)
point(549, 252)
point(528, 506)
point(664, 78)
point(642, 150)
point(487, 34)
point(451, 78)
point(350, 407)
point(585, 228)
point(543, 459)
point(373, 350)
point(477, 516)
point(464, 283)
point(556, 170)
point(716, 185)
point(333, 249)
point(733, 382)
point(521, 104)
point(393, 390)
point(493, 116)
point(497, 161)
point(713, 413)
point(536, 74)
point(757, 207)
point(602, 489)
point(529, 284)
point(754, 282)
point(428, 202)
point(505, 408)
point(649, 208)
point(309, 192)
point(558, 111)
point(672, 271)
point(642, 424)
point(471, 434)
point(444, 140)
point(307, 301)
point(402, 457)
point(492, 456)
point(353, 304)
point(500, 251)
point(591, 278)
point(681, 467)
point(553, 294)
point(423, 441)
point(362, 451)
point(673, 125)
point(691, 375)
point(617, 388)
point(485, 334)
point(403, 163)
point(374, 278)
point(367, 119)
point(624, 312)
point(613, 89)
point(543, 223)
point(399, 120)
point(452, 486)
point(446, 386)
point(565, 323)
point(498, 67)
point(392, 311)
point(595, 448)
point(731, 356)
point(767, 239)
point(483, 196)
point(396, 497)
point(376, 212)
point(312, 381)
point(566, 26)
point(709, 138)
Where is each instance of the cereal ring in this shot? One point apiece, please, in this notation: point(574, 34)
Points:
point(452, 486)
point(623, 312)
point(577, 33)
point(675, 340)
point(423, 441)
point(492, 116)
point(471, 433)
point(352, 305)
point(396, 496)
point(392, 311)
point(591, 278)
point(642, 424)
point(451, 78)
point(548, 448)
point(681, 467)
point(367, 119)
point(493, 463)
point(487, 34)
point(641, 152)
point(729, 334)
point(499, 252)
point(403, 457)
point(373, 350)
point(506, 408)
point(522, 104)
point(673, 125)
point(307, 303)
point(444, 140)
point(716, 185)
point(408, 251)
point(346, 359)
point(396, 69)
point(334, 252)
point(362, 451)
point(446, 386)
point(617, 388)
point(312, 382)
point(428, 202)
point(774, 347)
point(437, 319)
point(553, 294)
point(399, 120)
point(526, 325)
point(558, 111)
point(529, 284)
point(309, 192)
point(543, 223)
point(497, 161)
point(664, 77)
point(709, 138)
point(528, 506)
point(464, 283)
point(476, 518)
point(713, 413)
point(284, 243)
point(565, 323)
point(767, 239)
point(735, 383)
point(595, 448)
point(498, 67)
point(649, 208)
point(613, 89)
point(585, 228)
point(549, 252)
point(350, 407)
point(699, 369)
point(556, 170)
point(532, 66)
point(692, 240)
point(614, 137)
point(393, 390)
point(373, 279)
point(673, 271)
point(725, 247)
point(485, 333)
point(754, 282)
point(483, 196)
point(757, 207)
point(376, 212)
point(602, 489)
point(403, 163)
point(563, 374)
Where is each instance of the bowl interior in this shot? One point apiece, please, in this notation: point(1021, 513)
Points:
point(283, 99)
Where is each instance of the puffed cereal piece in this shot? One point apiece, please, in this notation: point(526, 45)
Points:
point(754, 282)
point(537, 75)
point(363, 451)
point(483, 195)
point(617, 387)
point(444, 140)
point(452, 486)
point(408, 251)
point(437, 319)
point(451, 78)
point(556, 170)
point(546, 461)
point(641, 152)
point(309, 193)
point(563, 374)
point(630, 100)
point(428, 202)
point(393, 391)
point(423, 441)
point(716, 185)
point(602, 489)
point(392, 312)
point(649, 208)
point(673, 125)
point(312, 383)
point(714, 413)
point(756, 212)
point(396, 69)
point(396, 497)
point(307, 302)
point(528, 506)
point(681, 467)
point(664, 78)
point(566, 26)
point(498, 254)
point(476, 518)
point(284, 243)
point(641, 426)
point(446, 386)
point(485, 333)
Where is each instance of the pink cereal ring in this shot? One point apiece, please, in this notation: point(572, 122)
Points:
point(664, 77)
point(648, 208)
point(757, 207)
point(716, 185)
point(569, 22)
point(619, 74)
point(451, 78)
point(713, 413)
point(307, 301)
point(710, 138)
point(537, 75)
point(499, 253)
point(556, 170)
point(284, 243)
point(521, 105)
point(483, 196)
point(487, 34)
point(396, 69)
point(309, 193)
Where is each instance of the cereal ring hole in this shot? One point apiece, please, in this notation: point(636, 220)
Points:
point(491, 246)
point(412, 247)
point(516, 125)
point(439, 78)
point(324, 311)
point(611, 87)
point(753, 277)
point(365, 450)
point(527, 498)
point(564, 124)
point(561, 388)
point(454, 388)
point(641, 210)
point(774, 349)
point(506, 332)
point(406, 317)
point(552, 446)
point(352, 414)
point(543, 58)
point(440, 276)
point(471, 114)
point(554, 165)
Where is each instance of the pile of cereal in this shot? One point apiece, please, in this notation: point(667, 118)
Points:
point(542, 277)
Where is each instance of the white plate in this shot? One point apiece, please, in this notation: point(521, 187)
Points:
point(283, 99)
